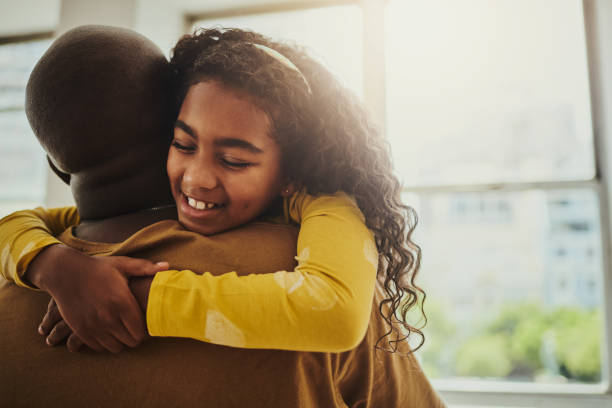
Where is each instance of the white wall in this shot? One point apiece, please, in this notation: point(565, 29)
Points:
point(28, 16)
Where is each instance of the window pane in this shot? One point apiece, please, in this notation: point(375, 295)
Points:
point(515, 285)
point(339, 46)
point(22, 160)
point(488, 91)
point(16, 63)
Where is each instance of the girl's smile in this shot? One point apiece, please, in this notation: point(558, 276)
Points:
point(223, 166)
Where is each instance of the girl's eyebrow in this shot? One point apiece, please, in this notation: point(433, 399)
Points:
point(239, 143)
point(221, 142)
point(184, 127)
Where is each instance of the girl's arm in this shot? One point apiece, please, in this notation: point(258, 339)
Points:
point(92, 293)
point(24, 234)
point(323, 305)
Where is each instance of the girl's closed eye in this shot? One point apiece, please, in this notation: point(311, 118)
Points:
point(179, 146)
point(235, 163)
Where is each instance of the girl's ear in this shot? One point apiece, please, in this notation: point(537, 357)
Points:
point(289, 189)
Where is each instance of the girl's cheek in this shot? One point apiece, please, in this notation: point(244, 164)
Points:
point(173, 168)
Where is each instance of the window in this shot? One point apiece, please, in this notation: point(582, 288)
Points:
point(22, 160)
point(489, 116)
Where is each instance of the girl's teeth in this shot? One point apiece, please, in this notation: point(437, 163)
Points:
point(200, 205)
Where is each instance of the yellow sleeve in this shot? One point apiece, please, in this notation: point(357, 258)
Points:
point(323, 305)
point(24, 234)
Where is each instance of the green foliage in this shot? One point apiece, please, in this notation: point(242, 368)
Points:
point(484, 356)
point(522, 341)
point(526, 345)
point(437, 353)
point(512, 315)
point(579, 348)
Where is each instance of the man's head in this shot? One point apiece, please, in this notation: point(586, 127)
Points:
point(100, 103)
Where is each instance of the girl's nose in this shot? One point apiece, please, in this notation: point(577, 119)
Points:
point(201, 176)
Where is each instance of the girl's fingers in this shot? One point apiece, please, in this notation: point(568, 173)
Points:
point(51, 318)
point(122, 336)
point(58, 334)
point(134, 323)
point(105, 338)
point(110, 343)
point(89, 341)
point(74, 343)
point(138, 267)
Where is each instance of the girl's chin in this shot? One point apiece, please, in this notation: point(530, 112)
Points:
point(205, 221)
point(203, 228)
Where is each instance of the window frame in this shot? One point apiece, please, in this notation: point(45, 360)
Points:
point(597, 13)
point(21, 38)
point(483, 393)
point(13, 40)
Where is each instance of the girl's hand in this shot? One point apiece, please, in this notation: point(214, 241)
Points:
point(92, 295)
point(56, 330)
point(53, 326)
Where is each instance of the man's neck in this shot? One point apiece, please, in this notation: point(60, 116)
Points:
point(114, 189)
point(121, 227)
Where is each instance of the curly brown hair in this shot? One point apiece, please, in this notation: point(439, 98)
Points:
point(328, 144)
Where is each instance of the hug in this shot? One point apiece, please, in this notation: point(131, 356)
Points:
point(238, 237)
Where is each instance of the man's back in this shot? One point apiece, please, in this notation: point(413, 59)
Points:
point(184, 372)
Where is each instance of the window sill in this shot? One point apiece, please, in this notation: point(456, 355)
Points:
point(473, 393)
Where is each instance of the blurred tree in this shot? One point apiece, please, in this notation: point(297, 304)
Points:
point(578, 340)
point(438, 353)
point(523, 341)
point(484, 356)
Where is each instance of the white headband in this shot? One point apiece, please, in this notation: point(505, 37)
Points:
point(285, 61)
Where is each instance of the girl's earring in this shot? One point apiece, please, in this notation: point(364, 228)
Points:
point(287, 191)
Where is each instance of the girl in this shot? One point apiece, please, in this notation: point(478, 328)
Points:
point(265, 132)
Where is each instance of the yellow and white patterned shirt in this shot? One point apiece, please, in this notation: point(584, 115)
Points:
point(322, 305)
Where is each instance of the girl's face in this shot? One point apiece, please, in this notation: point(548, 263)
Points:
point(224, 168)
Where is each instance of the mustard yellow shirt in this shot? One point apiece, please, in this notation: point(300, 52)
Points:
point(323, 305)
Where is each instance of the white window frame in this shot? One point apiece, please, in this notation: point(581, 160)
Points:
point(598, 28)
point(19, 203)
point(464, 393)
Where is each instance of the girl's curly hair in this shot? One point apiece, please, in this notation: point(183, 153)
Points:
point(328, 144)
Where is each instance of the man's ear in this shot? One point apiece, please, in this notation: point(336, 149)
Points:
point(289, 189)
point(64, 176)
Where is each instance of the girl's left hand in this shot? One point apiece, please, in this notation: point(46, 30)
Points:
point(92, 295)
point(53, 327)
point(56, 330)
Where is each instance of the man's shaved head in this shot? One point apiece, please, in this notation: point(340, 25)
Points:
point(96, 92)
point(100, 101)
